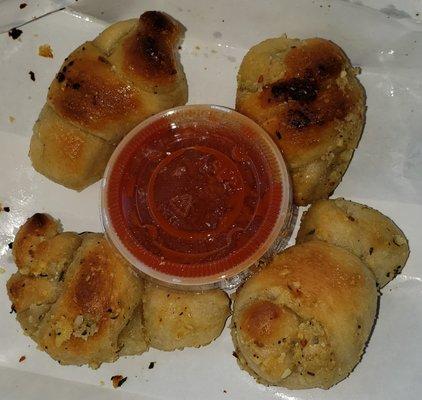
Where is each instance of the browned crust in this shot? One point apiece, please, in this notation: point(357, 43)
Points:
point(101, 290)
point(150, 53)
point(26, 244)
point(24, 291)
point(308, 99)
point(89, 93)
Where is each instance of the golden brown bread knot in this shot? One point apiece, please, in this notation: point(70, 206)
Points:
point(304, 93)
point(303, 320)
point(103, 89)
point(365, 232)
point(175, 319)
point(83, 304)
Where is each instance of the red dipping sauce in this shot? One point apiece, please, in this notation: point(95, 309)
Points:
point(195, 195)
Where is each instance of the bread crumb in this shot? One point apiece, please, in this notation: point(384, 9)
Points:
point(12, 119)
point(2, 270)
point(45, 51)
point(102, 383)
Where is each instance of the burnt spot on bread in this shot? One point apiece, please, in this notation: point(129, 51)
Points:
point(60, 77)
point(149, 52)
point(39, 220)
point(150, 55)
point(155, 54)
point(308, 96)
point(299, 89)
point(300, 119)
point(156, 21)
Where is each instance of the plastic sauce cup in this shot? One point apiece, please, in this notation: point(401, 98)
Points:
point(195, 196)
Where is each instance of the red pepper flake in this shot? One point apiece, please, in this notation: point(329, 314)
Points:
point(22, 5)
point(118, 380)
point(12, 309)
point(22, 359)
point(303, 343)
point(14, 33)
point(32, 75)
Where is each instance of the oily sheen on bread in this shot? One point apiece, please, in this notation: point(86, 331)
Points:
point(365, 232)
point(83, 304)
point(303, 320)
point(304, 93)
point(103, 89)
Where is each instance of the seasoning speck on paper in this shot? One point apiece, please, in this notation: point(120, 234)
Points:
point(118, 380)
point(14, 33)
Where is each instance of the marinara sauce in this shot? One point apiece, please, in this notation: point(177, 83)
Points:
point(193, 193)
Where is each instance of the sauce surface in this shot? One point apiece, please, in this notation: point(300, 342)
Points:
point(192, 200)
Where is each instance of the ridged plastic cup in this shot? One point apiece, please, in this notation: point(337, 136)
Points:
point(152, 211)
